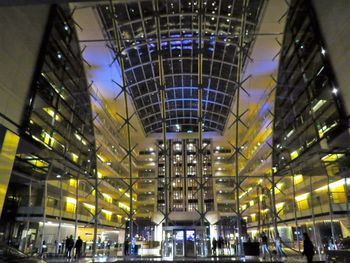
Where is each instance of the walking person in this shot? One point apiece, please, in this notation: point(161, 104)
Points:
point(78, 246)
point(265, 245)
point(69, 246)
point(221, 245)
point(126, 247)
point(278, 245)
point(214, 246)
point(308, 248)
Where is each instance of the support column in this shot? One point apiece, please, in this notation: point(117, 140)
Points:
point(295, 212)
point(330, 200)
point(347, 199)
point(94, 245)
point(59, 219)
point(273, 201)
point(76, 210)
point(200, 114)
point(163, 113)
point(237, 146)
point(127, 118)
point(24, 246)
point(259, 208)
point(313, 217)
point(44, 208)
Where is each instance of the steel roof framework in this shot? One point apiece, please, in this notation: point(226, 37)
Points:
point(180, 49)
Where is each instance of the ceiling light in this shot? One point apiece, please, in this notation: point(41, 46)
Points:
point(334, 90)
point(58, 176)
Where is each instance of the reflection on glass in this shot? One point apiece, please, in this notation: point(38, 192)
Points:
point(179, 243)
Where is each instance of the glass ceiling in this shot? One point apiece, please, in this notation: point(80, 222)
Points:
point(136, 23)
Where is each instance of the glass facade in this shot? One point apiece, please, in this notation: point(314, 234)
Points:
point(310, 156)
point(52, 188)
point(91, 159)
point(184, 192)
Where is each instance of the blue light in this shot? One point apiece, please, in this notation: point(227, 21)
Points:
point(187, 41)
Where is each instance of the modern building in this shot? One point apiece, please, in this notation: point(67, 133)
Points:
point(169, 123)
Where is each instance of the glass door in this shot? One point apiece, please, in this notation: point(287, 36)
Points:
point(179, 243)
point(190, 243)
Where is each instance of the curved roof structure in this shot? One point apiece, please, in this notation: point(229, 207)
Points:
point(136, 24)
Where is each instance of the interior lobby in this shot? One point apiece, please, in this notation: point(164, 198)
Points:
point(151, 128)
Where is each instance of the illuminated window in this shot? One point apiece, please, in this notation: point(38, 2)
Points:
point(302, 201)
point(72, 182)
point(71, 204)
point(298, 178)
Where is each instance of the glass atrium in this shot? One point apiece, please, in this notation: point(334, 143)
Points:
point(152, 127)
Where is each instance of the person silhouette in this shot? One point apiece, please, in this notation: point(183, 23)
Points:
point(78, 245)
point(214, 246)
point(308, 248)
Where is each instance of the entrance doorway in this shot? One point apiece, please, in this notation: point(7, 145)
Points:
point(184, 243)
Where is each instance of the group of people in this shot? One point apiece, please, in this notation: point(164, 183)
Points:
point(308, 251)
point(220, 244)
point(69, 253)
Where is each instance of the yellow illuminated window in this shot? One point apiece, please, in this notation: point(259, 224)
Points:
point(72, 182)
point(52, 113)
point(253, 216)
point(75, 157)
point(278, 188)
point(108, 214)
point(107, 197)
point(298, 178)
point(302, 205)
point(279, 208)
point(302, 201)
point(71, 204)
point(124, 206)
point(47, 138)
point(294, 155)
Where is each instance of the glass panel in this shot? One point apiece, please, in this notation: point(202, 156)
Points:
point(179, 243)
point(190, 241)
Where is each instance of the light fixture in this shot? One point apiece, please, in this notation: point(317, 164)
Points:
point(335, 91)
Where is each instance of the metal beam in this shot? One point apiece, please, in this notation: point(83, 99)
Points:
point(200, 112)
point(237, 146)
point(118, 45)
point(162, 109)
point(59, 2)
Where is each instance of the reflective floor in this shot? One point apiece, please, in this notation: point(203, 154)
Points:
point(291, 258)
